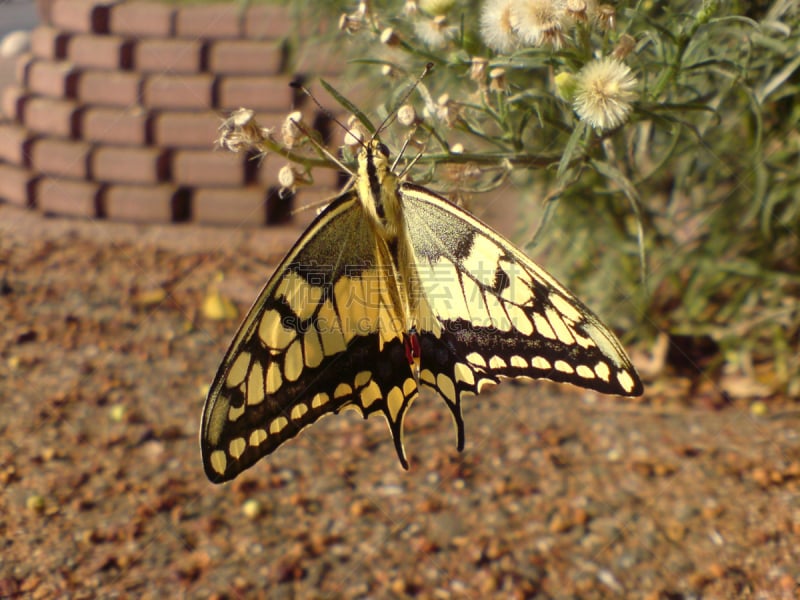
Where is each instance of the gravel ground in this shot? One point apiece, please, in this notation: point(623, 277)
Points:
point(105, 356)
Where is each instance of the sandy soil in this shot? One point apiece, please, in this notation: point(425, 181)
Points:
point(105, 357)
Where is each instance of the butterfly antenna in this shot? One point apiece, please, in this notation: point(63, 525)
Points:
point(393, 113)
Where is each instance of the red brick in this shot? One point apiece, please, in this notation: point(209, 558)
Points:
point(246, 57)
point(214, 21)
point(16, 185)
point(268, 23)
point(234, 207)
point(110, 88)
point(179, 91)
point(257, 93)
point(82, 16)
point(324, 179)
point(142, 19)
point(100, 51)
point(145, 203)
point(65, 197)
point(15, 143)
point(54, 79)
point(49, 43)
point(168, 56)
point(13, 102)
point(130, 165)
point(209, 168)
point(186, 129)
point(60, 118)
point(127, 127)
point(61, 158)
point(22, 67)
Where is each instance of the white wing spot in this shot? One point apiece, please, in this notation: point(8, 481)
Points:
point(625, 380)
point(542, 326)
point(540, 362)
point(602, 370)
point(476, 359)
point(497, 362)
point(519, 362)
point(564, 366)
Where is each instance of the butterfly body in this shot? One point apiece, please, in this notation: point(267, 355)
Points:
point(390, 289)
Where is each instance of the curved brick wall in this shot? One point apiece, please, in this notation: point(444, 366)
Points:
point(117, 106)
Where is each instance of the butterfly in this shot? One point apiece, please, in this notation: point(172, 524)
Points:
point(390, 289)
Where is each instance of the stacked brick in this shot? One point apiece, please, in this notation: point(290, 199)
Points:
point(117, 106)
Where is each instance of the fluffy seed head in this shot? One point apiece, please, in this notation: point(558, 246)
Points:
point(497, 26)
point(604, 91)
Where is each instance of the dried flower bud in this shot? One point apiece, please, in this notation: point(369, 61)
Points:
point(606, 17)
point(387, 71)
point(407, 115)
point(624, 47)
point(290, 132)
point(240, 131)
point(576, 9)
point(411, 8)
point(447, 111)
point(286, 177)
point(389, 37)
point(477, 69)
point(355, 135)
point(457, 148)
point(497, 79)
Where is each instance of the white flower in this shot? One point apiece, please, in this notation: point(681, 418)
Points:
point(604, 91)
point(435, 32)
point(497, 25)
point(540, 21)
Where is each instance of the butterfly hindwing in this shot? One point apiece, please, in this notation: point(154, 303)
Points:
point(498, 313)
point(323, 334)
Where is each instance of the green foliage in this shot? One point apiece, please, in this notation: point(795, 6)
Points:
point(671, 171)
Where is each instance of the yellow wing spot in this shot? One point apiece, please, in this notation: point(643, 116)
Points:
point(273, 379)
point(394, 401)
point(583, 342)
point(585, 372)
point(564, 366)
point(312, 349)
point(476, 359)
point(540, 362)
point(542, 326)
point(561, 329)
point(234, 412)
point(446, 387)
point(293, 361)
point(255, 384)
point(298, 411)
point(370, 394)
point(519, 319)
point(236, 447)
point(238, 370)
point(219, 461)
point(319, 400)
point(463, 373)
point(427, 376)
point(485, 384)
point(362, 378)
point(257, 437)
point(625, 380)
point(330, 330)
point(567, 310)
point(602, 370)
point(478, 312)
point(519, 362)
point(272, 333)
point(278, 424)
point(497, 362)
point(499, 318)
point(409, 385)
point(342, 390)
point(482, 260)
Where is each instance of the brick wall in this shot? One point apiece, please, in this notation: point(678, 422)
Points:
point(116, 108)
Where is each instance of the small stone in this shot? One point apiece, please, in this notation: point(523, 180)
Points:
point(252, 509)
point(35, 503)
point(759, 408)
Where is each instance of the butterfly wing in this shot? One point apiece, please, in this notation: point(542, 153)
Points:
point(324, 333)
point(488, 311)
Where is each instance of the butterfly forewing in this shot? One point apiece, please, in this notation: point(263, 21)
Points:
point(324, 333)
point(499, 314)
